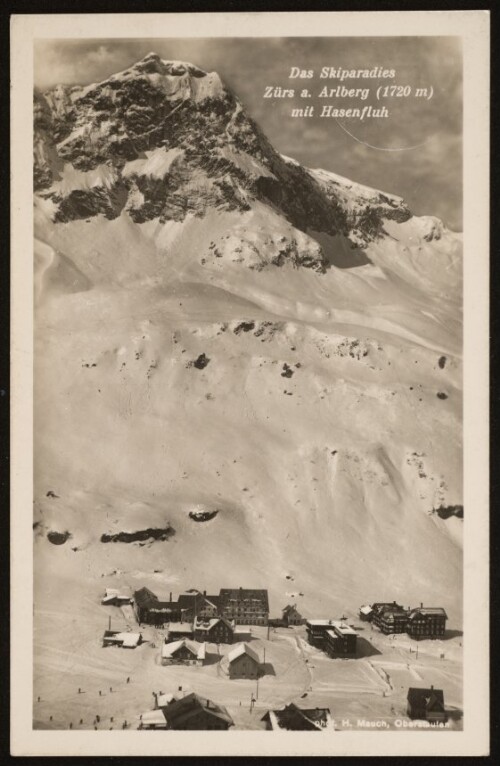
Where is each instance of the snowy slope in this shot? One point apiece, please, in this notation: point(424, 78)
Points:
point(219, 328)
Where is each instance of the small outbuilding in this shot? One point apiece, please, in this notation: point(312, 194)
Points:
point(114, 597)
point(366, 613)
point(426, 704)
point(153, 719)
point(127, 640)
point(243, 662)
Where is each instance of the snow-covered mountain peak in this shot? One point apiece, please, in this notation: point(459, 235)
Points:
point(168, 140)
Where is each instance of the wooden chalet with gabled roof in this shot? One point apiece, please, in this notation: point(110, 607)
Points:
point(183, 652)
point(291, 615)
point(294, 718)
point(196, 713)
point(426, 704)
point(216, 630)
point(243, 662)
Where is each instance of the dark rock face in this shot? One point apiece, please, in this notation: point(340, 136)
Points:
point(224, 160)
point(142, 535)
point(200, 363)
point(86, 203)
point(244, 327)
point(58, 538)
point(446, 511)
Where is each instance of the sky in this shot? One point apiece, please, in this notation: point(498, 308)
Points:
point(416, 152)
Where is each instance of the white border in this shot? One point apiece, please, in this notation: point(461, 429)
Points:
point(473, 28)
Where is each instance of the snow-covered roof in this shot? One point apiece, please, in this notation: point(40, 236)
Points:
point(292, 717)
point(241, 649)
point(165, 699)
point(320, 623)
point(365, 609)
point(153, 718)
point(339, 625)
point(184, 708)
point(199, 650)
point(428, 611)
point(129, 639)
point(344, 628)
point(180, 627)
point(112, 593)
point(205, 624)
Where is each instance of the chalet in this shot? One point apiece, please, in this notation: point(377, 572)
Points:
point(193, 712)
point(149, 609)
point(113, 597)
point(293, 718)
point(154, 719)
point(243, 662)
point(127, 640)
point(197, 604)
point(216, 631)
point(391, 619)
point(245, 606)
point(427, 704)
point(183, 652)
point(180, 630)
point(426, 622)
point(292, 616)
point(340, 640)
point(365, 613)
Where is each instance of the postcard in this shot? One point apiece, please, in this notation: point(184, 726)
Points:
point(250, 373)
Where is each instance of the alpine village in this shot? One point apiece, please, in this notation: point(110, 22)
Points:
point(233, 630)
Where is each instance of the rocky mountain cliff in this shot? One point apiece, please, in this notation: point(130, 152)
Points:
point(163, 140)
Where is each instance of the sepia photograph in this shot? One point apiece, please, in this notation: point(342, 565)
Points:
point(248, 444)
